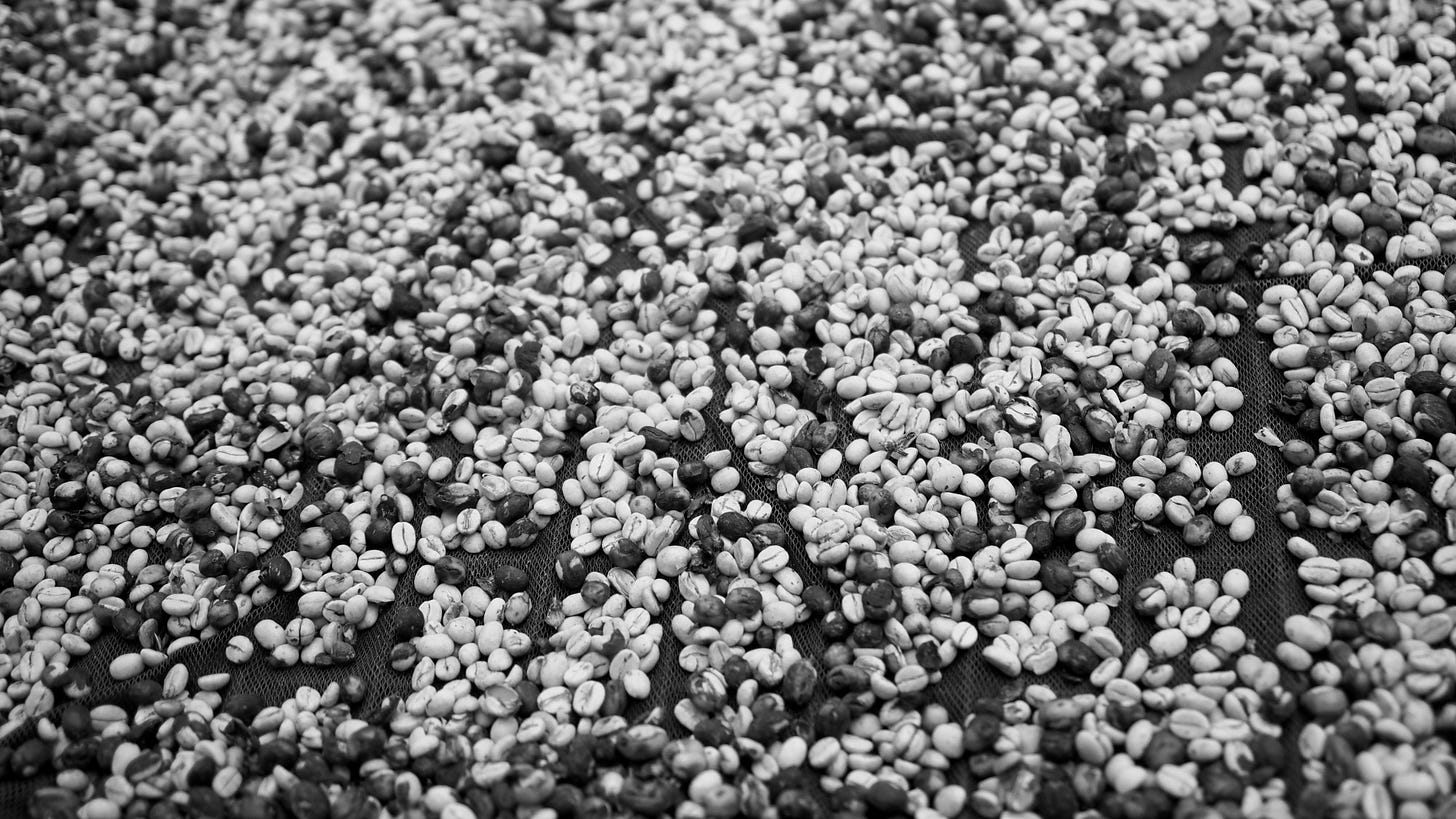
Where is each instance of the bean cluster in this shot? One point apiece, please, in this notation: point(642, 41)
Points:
point(655, 409)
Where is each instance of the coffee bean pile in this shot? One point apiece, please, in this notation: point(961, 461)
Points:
point(783, 409)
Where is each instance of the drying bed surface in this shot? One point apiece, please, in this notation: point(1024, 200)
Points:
point(979, 408)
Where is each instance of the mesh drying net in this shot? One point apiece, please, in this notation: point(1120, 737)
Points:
point(1279, 593)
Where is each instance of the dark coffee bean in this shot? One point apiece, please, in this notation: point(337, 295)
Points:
point(336, 526)
point(1045, 476)
point(76, 721)
point(1056, 798)
point(674, 499)
point(1387, 219)
point(142, 692)
point(1380, 627)
point(1320, 180)
point(1410, 471)
point(1076, 659)
point(409, 623)
point(887, 798)
point(595, 593)
point(1165, 749)
point(1173, 485)
point(1425, 382)
point(349, 463)
point(799, 684)
point(276, 572)
point(711, 611)
point(322, 440)
point(378, 534)
point(1056, 577)
point(522, 534)
point(571, 570)
point(981, 733)
point(744, 602)
point(1437, 140)
point(222, 613)
point(1219, 270)
point(242, 704)
point(1114, 558)
point(1159, 369)
point(819, 600)
point(1432, 417)
point(1307, 482)
point(195, 503)
point(734, 525)
point(307, 800)
point(694, 474)
point(510, 579)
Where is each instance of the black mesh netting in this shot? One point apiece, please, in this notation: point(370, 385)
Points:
point(1278, 592)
